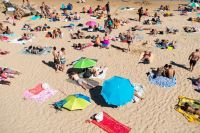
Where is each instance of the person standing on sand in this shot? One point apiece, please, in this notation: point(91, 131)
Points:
point(108, 8)
point(55, 58)
point(140, 13)
point(61, 57)
point(194, 57)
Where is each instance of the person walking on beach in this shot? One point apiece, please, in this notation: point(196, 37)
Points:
point(140, 13)
point(108, 8)
point(193, 58)
point(55, 58)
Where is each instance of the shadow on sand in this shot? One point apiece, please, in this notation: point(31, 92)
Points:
point(50, 64)
point(96, 96)
point(178, 65)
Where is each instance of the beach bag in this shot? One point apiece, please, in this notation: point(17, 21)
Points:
point(87, 74)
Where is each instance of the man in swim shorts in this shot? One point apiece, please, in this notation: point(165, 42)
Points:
point(194, 57)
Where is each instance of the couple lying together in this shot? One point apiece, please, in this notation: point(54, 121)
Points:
point(83, 83)
point(38, 28)
point(166, 71)
point(5, 74)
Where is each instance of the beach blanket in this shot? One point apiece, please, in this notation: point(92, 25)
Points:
point(16, 41)
point(110, 125)
point(33, 18)
point(8, 35)
point(193, 103)
point(45, 51)
point(140, 91)
point(39, 93)
point(101, 76)
point(162, 81)
point(162, 47)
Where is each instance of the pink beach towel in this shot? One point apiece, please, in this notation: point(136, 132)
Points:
point(39, 93)
point(110, 125)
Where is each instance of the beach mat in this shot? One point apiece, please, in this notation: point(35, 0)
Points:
point(193, 103)
point(45, 51)
point(162, 81)
point(20, 42)
point(39, 93)
point(33, 18)
point(110, 125)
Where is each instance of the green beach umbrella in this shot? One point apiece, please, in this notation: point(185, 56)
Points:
point(194, 4)
point(85, 63)
point(73, 102)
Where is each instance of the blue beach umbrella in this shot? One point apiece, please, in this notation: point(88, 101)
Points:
point(117, 91)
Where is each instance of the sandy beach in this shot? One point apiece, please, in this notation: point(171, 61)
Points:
point(155, 114)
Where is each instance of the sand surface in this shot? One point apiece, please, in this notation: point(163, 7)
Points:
point(155, 114)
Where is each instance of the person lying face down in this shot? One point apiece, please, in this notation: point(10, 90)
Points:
point(80, 81)
point(186, 107)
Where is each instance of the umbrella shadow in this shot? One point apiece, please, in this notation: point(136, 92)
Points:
point(50, 64)
point(178, 65)
point(95, 94)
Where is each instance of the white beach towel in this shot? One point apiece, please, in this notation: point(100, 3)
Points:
point(140, 91)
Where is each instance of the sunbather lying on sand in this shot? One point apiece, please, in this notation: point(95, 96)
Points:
point(171, 30)
point(186, 107)
point(190, 29)
point(25, 36)
point(155, 32)
point(77, 35)
point(34, 49)
point(146, 57)
point(97, 71)
point(164, 44)
point(80, 81)
point(3, 52)
point(81, 46)
point(137, 27)
point(194, 19)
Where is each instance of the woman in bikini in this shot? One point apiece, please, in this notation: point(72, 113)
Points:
point(106, 41)
point(146, 57)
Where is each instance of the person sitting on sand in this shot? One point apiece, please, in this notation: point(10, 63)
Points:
point(97, 41)
point(80, 81)
point(170, 73)
point(146, 57)
point(59, 32)
point(7, 31)
point(79, 46)
point(76, 16)
point(54, 34)
point(10, 71)
point(161, 71)
point(84, 10)
point(186, 107)
point(146, 13)
point(193, 58)
point(90, 11)
point(106, 41)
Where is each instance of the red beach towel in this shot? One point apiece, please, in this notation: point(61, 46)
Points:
point(37, 89)
point(110, 125)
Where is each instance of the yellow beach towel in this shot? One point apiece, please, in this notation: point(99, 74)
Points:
point(193, 103)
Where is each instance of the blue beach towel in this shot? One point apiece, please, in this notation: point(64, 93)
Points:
point(8, 35)
point(162, 81)
point(35, 18)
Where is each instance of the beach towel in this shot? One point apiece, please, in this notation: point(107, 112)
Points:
point(102, 75)
point(87, 46)
point(110, 125)
point(39, 93)
point(162, 81)
point(33, 18)
point(4, 38)
point(16, 41)
point(8, 35)
point(45, 51)
point(140, 91)
point(193, 103)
